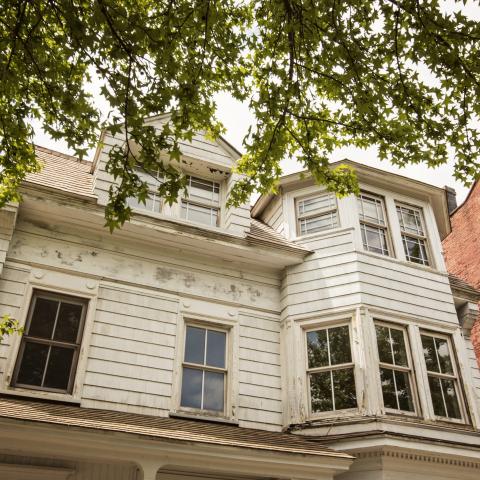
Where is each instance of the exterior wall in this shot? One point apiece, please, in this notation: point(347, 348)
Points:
point(462, 249)
point(140, 299)
point(274, 217)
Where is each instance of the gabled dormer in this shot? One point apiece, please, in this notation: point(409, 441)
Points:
point(207, 163)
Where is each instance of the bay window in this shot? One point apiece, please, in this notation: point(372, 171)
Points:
point(316, 213)
point(330, 369)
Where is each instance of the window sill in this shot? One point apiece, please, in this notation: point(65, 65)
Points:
point(39, 395)
point(203, 418)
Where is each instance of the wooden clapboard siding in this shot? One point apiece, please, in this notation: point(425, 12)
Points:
point(473, 365)
point(273, 215)
point(260, 395)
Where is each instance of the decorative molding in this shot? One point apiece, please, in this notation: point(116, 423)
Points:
point(12, 471)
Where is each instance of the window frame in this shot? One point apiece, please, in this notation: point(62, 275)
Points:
point(425, 237)
point(385, 227)
point(226, 370)
point(186, 200)
point(319, 212)
point(412, 378)
point(77, 346)
point(329, 368)
point(456, 377)
point(152, 193)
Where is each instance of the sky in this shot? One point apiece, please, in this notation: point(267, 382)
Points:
point(236, 118)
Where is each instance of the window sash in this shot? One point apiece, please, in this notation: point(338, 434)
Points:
point(442, 376)
point(187, 207)
point(330, 219)
point(383, 248)
point(394, 367)
point(202, 191)
point(331, 369)
point(50, 343)
point(205, 368)
point(381, 218)
point(153, 202)
point(323, 206)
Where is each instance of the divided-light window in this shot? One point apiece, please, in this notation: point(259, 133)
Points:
point(316, 213)
point(202, 203)
point(204, 373)
point(153, 202)
point(373, 223)
point(50, 346)
point(414, 237)
point(395, 368)
point(442, 376)
point(330, 369)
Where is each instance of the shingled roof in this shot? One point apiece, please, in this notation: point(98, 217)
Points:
point(167, 429)
point(63, 172)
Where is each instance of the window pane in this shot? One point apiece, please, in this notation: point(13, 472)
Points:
point(318, 223)
point(317, 349)
point(388, 388)
point(453, 409)
point(216, 348)
point(344, 389)
point(195, 345)
point(404, 393)
point(59, 367)
point(437, 398)
point(152, 203)
point(444, 356)
point(374, 239)
point(43, 318)
point(68, 322)
point(410, 220)
point(415, 250)
point(33, 364)
point(339, 345)
point(192, 388)
point(214, 392)
point(203, 189)
point(383, 342)
point(429, 353)
point(398, 347)
point(371, 209)
point(321, 392)
point(199, 214)
point(322, 202)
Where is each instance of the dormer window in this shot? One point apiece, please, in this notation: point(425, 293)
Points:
point(202, 202)
point(316, 213)
point(153, 202)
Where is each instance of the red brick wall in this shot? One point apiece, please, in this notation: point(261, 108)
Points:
point(462, 249)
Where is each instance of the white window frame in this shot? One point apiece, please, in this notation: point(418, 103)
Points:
point(308, 371)
point(152, 193)
point(331, 209)
point(456, 377)
point(206, 368)
point(62, 284)
point(410, 369)
point(417, 236)
point(206, 314)
point(202, 203)
point(376, 225)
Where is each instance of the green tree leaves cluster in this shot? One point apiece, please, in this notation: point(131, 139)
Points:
point(317, 74)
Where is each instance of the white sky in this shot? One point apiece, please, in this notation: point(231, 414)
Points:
point(236, 117)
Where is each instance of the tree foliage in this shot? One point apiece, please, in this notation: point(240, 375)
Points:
point(317, 74)
point(9, 326)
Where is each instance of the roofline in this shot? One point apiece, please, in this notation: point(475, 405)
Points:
point(474, 184)
point(263, 201)
point(67, 156)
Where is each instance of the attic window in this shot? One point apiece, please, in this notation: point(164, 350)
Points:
point(153, 202)
point(202, 202)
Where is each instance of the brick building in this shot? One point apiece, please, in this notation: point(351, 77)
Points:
point(462, 248)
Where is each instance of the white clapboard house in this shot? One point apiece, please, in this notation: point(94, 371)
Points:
point(307, 338)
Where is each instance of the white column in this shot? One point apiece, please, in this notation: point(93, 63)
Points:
point(148, 469)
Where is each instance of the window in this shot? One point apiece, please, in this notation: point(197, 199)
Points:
point(153, 202)
point(202, 204)
point(442, 378)
point(204, 369)
point(414, 237)
point(395, 368)
point(50, 346)
point(330, 369)
point(316, 213)
point(373, 224)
